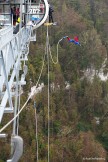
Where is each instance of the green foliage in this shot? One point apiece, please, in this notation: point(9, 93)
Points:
point(83, 127)
point(56, 127)
point(75, 4)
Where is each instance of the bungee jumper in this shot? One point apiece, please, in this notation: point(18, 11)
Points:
point(75, 40)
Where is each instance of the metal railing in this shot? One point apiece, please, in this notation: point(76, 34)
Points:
point(11, 52)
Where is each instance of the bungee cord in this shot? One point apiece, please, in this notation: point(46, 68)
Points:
point(55, 62)
point(65, 37)
point(52, 56)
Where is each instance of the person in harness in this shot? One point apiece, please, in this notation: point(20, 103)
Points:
point(75, 40)
point(50, 14)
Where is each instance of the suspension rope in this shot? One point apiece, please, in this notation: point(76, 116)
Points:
point(36, 123)
point(5, 126)
point(47, 50)
point(19, 96)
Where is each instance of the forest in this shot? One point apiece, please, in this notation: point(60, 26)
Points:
point(79, 98)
